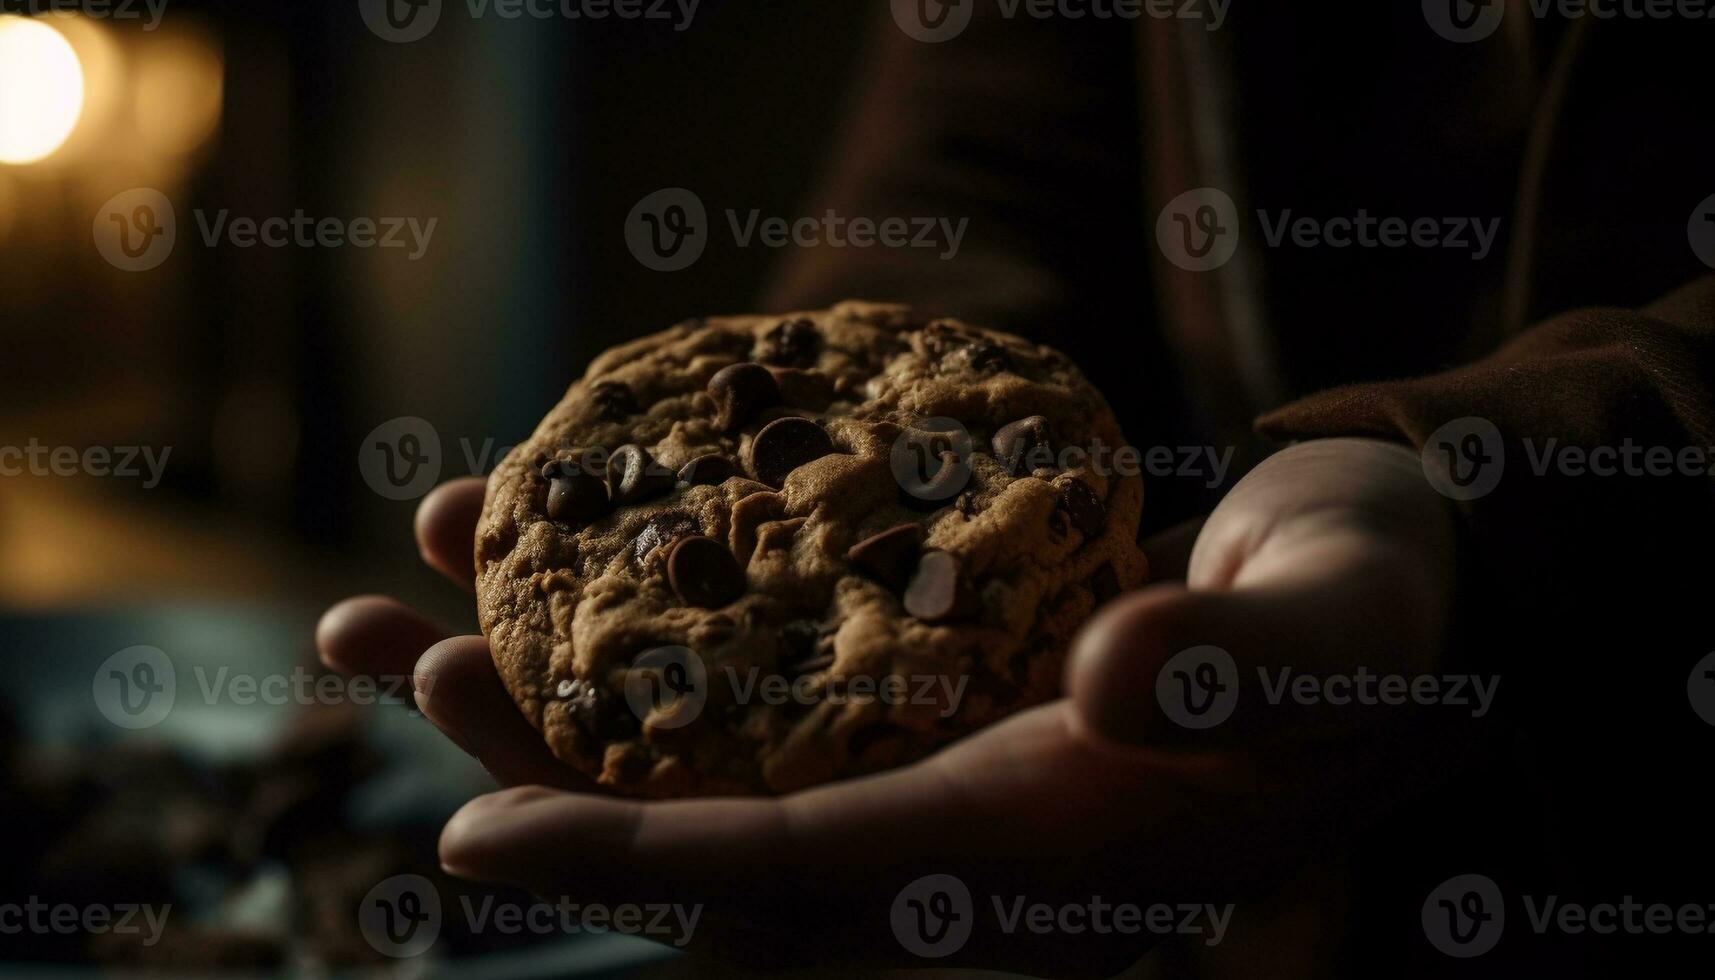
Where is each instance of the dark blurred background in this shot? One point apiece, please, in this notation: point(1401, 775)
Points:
point(257, 372)
point(263, 368)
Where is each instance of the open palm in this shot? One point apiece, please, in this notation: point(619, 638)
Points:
point(1330, 556)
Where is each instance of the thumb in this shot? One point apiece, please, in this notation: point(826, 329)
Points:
point(1174, 667)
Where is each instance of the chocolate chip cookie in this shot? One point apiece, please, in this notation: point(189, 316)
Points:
point(752, 554)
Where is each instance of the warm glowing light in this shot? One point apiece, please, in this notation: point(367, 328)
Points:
point(177, 84)
point(41, 90)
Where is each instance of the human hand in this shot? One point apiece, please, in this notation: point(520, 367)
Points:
point(1329, 556)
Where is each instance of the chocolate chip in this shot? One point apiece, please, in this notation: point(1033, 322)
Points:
point(889, 557)
point(938, 591)
point(614, 400)
point(663, 529)
point(790, 342)
point(575, 493)
point(634, 476)
point(1088, 514)
point(783, 445)
point(709, 469)
point(740, 391)
point(1105, 583)
point(704, 573)
point(599, 713)
point(1024, 446)
point(1057, 524)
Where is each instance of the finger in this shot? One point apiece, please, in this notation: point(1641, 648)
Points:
point(446, 528)
point(707, 846)
point(1169, 550)
point(374, 636)
point(459, 691)
point(1216, 668)
point(827, 862)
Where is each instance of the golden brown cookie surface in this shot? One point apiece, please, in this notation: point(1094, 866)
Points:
point(752, 554)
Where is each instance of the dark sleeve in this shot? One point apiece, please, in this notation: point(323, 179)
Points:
point(1586, 379)
point(1024, 130)
point(1585, 593)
